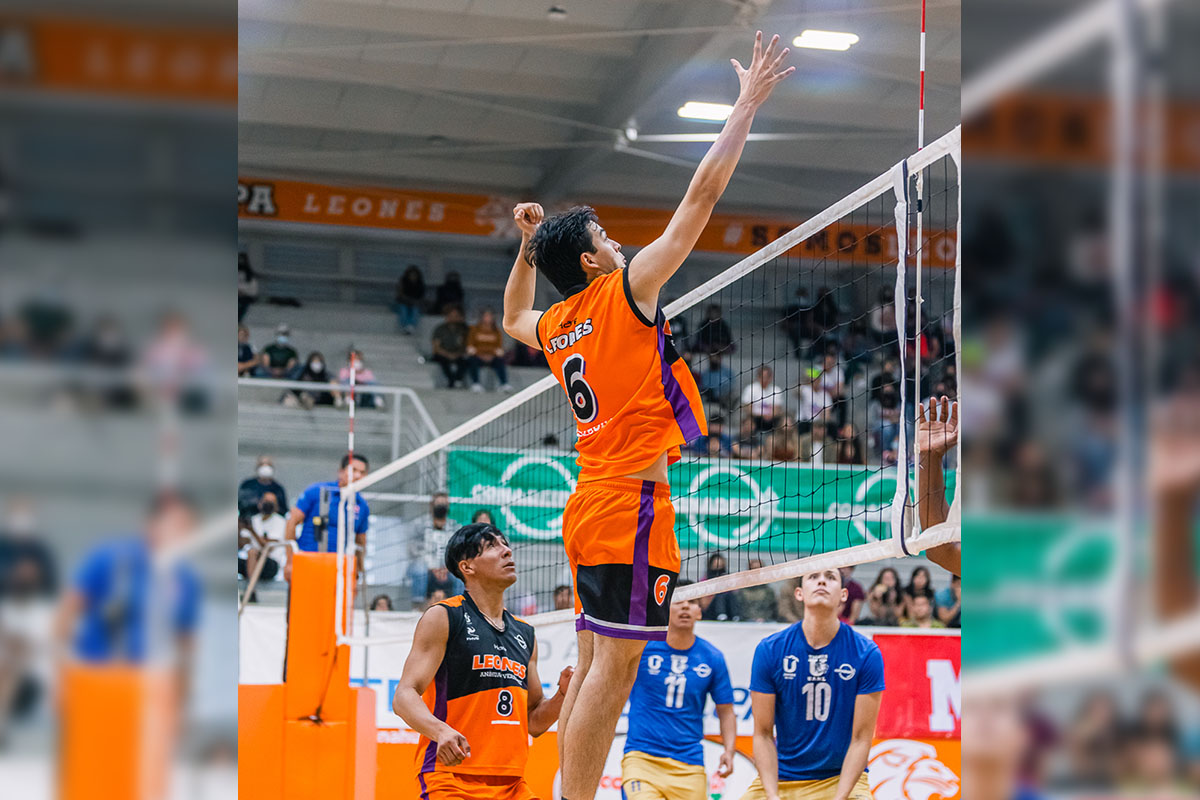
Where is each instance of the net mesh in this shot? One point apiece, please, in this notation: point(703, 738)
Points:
point(809, 377)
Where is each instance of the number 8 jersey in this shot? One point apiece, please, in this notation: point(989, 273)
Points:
point(480, 690)
point(633, 397)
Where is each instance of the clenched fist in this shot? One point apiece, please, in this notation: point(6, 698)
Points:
point(528, 216)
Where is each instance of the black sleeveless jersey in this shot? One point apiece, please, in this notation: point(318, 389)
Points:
point(480, 690)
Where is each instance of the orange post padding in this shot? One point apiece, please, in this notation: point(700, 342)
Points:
point(260, 741)
point(117, 731)
point(363, 747)
point(318, 671)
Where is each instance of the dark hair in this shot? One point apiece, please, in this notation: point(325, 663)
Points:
point(468, 542)
point(379, 597)
point(562, 588)
point(559, 242)
point(356, 457)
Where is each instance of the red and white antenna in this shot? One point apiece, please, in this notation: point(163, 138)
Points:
point(919, 245)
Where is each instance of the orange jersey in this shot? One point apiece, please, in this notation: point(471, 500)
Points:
point(633, 397)
point(480, 690)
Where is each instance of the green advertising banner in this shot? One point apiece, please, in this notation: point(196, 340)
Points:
point(797, 508)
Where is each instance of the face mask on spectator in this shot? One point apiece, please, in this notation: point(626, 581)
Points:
point(281, 339)
point(356, 364)
point(267, 508)
point(440, 511)
point(266, 471)
point(316, 366)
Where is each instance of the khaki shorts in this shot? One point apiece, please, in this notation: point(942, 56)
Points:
point(646, 777)
point(810, 790)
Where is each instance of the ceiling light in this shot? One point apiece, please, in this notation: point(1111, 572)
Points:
point(825, 40)
point(711, 112)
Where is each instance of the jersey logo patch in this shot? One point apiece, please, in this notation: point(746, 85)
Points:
point(702, 670)
point(654, 663)
point(678, 664)
point(818, 665)
point(660, 588)
point(521, 641)
point(845, 672)
point(790, 664)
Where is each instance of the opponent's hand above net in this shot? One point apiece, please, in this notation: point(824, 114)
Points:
point(762, 75)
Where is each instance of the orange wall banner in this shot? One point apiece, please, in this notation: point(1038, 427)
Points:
point(484, 215)
point(129, 59)
point(1070, 130)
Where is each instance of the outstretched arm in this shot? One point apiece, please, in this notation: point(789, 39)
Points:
point(657, 262)
point(520, 320)
point(766, 756)
point(866, 712)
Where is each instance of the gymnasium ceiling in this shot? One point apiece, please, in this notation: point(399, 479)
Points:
point(494, 96)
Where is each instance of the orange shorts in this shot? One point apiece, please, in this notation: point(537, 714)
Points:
point(456, 786)
point(620, 540)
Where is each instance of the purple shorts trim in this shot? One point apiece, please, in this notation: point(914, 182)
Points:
point(582, 624)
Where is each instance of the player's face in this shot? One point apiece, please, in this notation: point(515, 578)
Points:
point(354, 471)
point(608, 257)
point(822, 589)
point(494, 564)
point(684, 614)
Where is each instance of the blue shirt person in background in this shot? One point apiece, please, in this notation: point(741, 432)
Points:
point(312, 513)
point(815, 690)
point(663, 755)
point(126, 604)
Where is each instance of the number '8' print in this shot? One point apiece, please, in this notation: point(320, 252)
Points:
point(504, 706)
point(583, 399)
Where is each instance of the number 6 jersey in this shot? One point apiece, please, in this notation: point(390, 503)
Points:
point(633, 397)
point(480, 690)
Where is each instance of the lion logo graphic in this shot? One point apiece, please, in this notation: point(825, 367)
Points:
point(901, 769)
point(497, 212)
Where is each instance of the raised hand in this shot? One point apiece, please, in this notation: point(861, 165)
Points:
point(762, 75)
point(936, 436)
point(528, 216)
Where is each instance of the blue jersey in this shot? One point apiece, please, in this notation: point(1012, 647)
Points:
point(122, 595)
point(666, 706)
point(815, 692)
point(310, 504)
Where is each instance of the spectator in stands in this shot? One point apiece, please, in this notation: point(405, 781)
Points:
point(716, 381)
point(449, 293)
point(382, 602)
point(920, 614)
point(28, 567)
point(889, 577)
point(247, 358)
point(427, 538)
point(887, 378)
point(749, 442)
point(814, 401)
point(919, 585)
point(440, 580)
point(563, 598)
point(850, 447)
point(251, 490)
point(523, 355)
point(719, 428)
point(435, 597)
point(854, 598)
point(714, 449)
point(763, 400)
point(316, 512)
point(279, 358)
point(175, 365)
point(485, 348)
point(713, 335)
point(883, 607)
point(833, 377)
point(949, 603)
point(363, 376)
point(410, 297)
point(314, 371)
point(758, 603)
point(856, 347)
point(783, 443)
point(826, 316)
point(815, 446)
point(798, 323)
point(267, 526)
point(790, 609)
point(483, 515)
point(450, 346)
point(883, 317)
point(247, 285)
point(1093, 742)
point(723, 606)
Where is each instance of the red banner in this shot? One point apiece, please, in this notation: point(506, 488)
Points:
point(923, 699)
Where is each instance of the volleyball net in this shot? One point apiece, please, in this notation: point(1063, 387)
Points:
point(812, 355)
